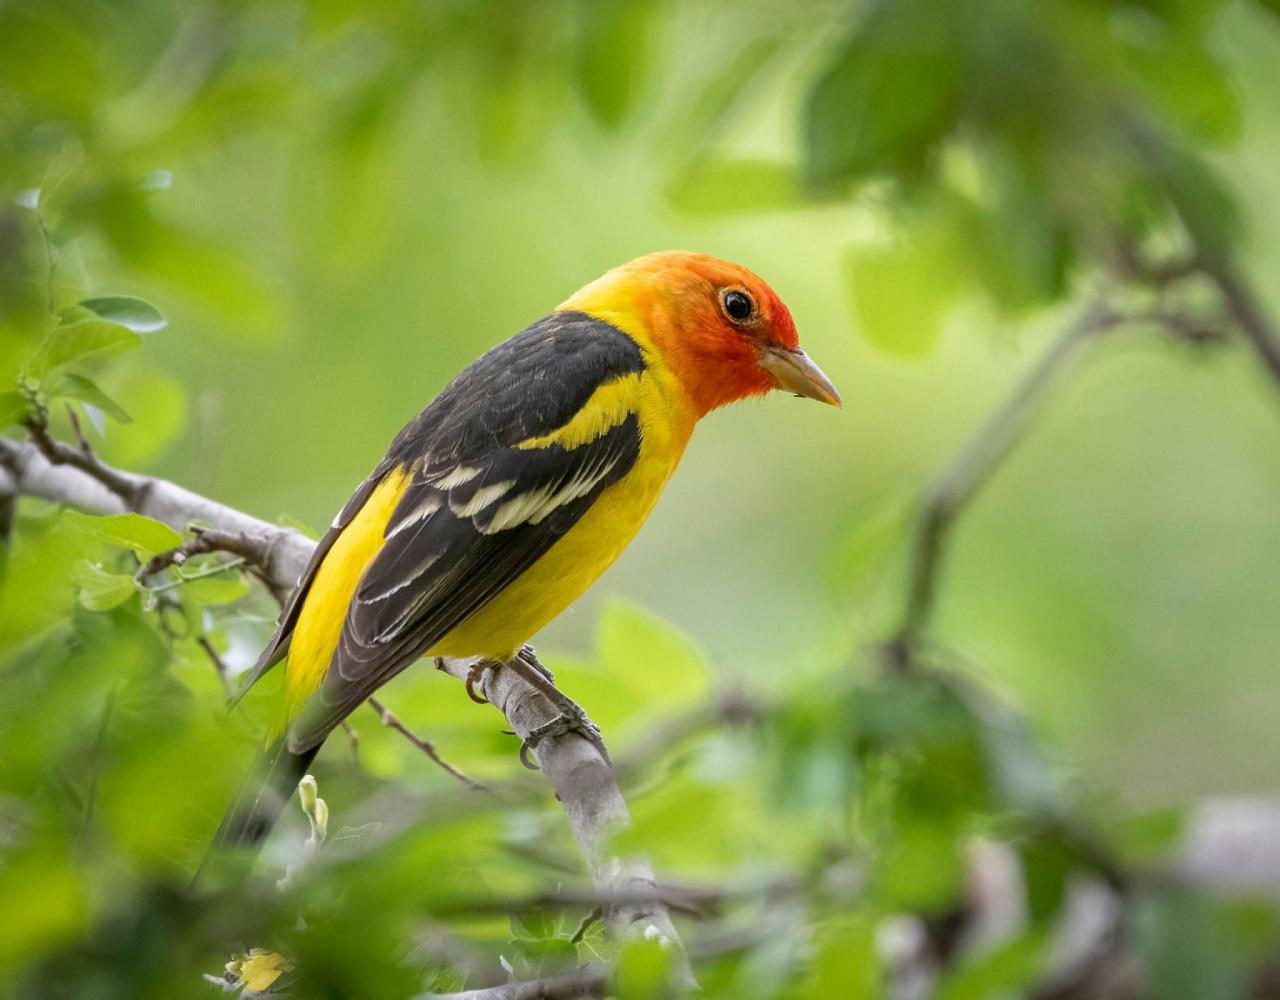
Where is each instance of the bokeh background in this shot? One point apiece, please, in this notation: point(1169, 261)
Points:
point(339, 206)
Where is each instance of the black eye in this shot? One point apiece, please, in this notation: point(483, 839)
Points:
point(738, 306)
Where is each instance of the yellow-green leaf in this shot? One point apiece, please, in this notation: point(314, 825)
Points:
point(100, 590)
point(136, 314)
point(220, 588)
point(13, 407)
point(81, 340)
point(72, 386)
point(658, 660)
point(261, 969)
point(144, 535)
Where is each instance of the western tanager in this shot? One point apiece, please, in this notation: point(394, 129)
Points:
point(504, 499)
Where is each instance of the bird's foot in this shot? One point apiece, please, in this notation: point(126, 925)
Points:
point(572, 719)
point(476, 675)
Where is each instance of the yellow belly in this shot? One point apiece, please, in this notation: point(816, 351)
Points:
point(570, 566)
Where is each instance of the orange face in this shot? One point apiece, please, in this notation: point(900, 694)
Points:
point(721, 328)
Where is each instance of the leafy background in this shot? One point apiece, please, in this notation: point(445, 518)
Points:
point(335, 208)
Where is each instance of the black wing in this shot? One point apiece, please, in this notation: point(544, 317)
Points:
point(479, 509)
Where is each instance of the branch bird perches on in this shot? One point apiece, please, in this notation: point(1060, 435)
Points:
point(583, 781)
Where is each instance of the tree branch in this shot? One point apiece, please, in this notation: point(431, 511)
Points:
point(1248, 313)
point(975, 463)
point(388, 718)
point(583, 781)
point(586, 786)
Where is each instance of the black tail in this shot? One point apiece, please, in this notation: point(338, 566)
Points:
point(262, 797)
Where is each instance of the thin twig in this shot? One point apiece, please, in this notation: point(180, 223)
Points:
point(353, 741)
point(1248, 313)
point(589, 921)
point(389, 720)
point(85, 448)
point(127, 487)
point(221, 567)
point(206, 540)
point(8, 510)
point(219, 664)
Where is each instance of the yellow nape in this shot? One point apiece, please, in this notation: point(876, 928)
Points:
point(324, 610)
point(608, 406)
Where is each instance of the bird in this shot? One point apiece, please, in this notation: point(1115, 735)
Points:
point(512, 491)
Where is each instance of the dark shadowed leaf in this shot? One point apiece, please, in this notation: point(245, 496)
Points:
point(889, 94)
point(611, 56)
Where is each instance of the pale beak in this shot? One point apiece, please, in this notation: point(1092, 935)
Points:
point(795, 372)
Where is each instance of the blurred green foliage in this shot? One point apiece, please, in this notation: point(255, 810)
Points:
point(243, 242)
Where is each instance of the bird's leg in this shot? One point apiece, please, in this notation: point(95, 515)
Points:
point(572, 718)
point(529, 656)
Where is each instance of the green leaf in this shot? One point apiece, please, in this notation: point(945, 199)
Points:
point(81, 340)
point(1149, 838)
point(1272, 6)
point(921, 868)
point(143, 535)
point(451, 980)
point(1020, 251)
point(610, 57)
point(845, 963)
point(1005, 971)
point(13, 407)
point(538, 925)
point(888, 96)
point(72, 386)
point(901, 294)
point(643, 969)
point(1188, 947)
point(859, 555)
point(659, 661)
point(218, 588)
point(100, 590)
point(1188, 84)
point(136, 314)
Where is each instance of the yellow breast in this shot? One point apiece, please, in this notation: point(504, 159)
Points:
point(574, 562)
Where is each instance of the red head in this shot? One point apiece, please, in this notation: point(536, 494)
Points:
point(721, 329)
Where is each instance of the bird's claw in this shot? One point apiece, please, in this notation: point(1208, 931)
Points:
point(476, 676)
point(571, 719)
